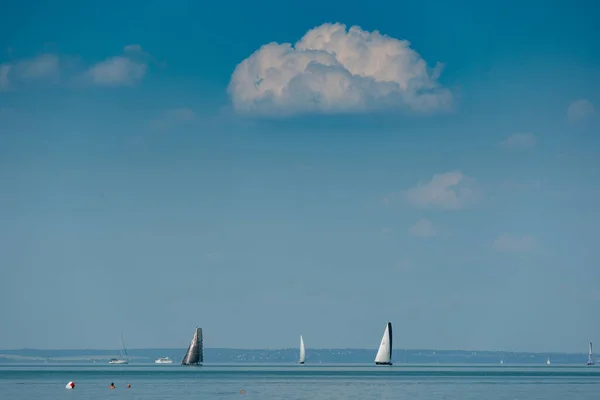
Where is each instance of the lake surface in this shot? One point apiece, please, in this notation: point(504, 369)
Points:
point(292, 382)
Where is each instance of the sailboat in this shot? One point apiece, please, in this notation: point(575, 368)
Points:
point(384, 354)
point(590, 360)
point(123, 359)
point(195, 352)
point(302, 352)
point(548, 361)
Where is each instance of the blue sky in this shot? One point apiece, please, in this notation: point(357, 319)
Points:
point(160, 169)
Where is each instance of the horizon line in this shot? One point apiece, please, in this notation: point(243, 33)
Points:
point(295, 348)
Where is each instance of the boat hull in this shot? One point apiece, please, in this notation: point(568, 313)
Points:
point(383, 363)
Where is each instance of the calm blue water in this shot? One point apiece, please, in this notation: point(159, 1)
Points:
point(301, 382)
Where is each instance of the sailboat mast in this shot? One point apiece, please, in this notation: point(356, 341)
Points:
point(123, 349)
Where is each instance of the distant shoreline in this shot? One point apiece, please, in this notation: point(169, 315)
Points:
point(26, 349)
point(314, 356)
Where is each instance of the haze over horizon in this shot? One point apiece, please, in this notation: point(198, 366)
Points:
point(270, 174)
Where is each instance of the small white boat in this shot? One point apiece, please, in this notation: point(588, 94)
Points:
point(384, 354)
point(117, 361)
point(163, 360)
point(548, 361)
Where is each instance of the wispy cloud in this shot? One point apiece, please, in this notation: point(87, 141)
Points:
point(173, 117)
point(331, 70)
point(123, 70)
point(45, 67)
point(514, 244)
point(4, 71)
point(126, 70)
point(6, 112)
point(423, 228)
point(580, 110)
point(519, 141)
point(450, 190)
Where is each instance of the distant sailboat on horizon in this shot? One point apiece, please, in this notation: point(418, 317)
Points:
point(195, 352)
point(302, 357)
point(590, 356)
point(123, 352)
point(548, 361)
point(384, 354)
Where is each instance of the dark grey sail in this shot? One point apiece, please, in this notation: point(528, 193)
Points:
point(195, 352)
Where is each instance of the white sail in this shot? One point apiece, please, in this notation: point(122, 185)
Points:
point(590, 356)
point(384, 354)
point(302, 351)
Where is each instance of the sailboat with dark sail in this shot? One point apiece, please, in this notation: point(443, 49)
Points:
point(590, 360)
point(195, 352)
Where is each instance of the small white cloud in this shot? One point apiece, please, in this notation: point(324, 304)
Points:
point(423, 228)
point(173, 117)
point(45, 66)
point(333, 70)
point(127, 69)
point(117, 71)
point(133, 48)
point(580, 110)
point(451, 190)
point(514, 244)
point(519, 141)
point(4, 71)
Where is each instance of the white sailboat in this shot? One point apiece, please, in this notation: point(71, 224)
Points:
point(548, 361)
point(302, 357)
point(123, 359)
point(384, 354)
point(590, 360)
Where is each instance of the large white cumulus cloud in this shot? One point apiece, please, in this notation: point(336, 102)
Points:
point(332, 69)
